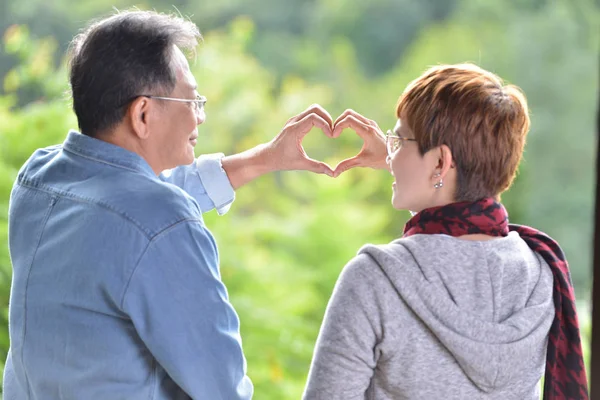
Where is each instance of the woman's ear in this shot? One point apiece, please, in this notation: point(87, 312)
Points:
point(445, 161)
point(137, 115)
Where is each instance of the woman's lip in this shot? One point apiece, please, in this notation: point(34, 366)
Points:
point(193, 141)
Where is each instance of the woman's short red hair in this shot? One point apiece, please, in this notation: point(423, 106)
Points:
point(483, 121)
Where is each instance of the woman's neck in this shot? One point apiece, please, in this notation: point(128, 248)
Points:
point(477, 236)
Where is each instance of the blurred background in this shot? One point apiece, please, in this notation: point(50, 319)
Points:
point(288, 235)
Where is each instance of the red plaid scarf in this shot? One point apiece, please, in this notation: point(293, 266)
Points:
point(565, 371)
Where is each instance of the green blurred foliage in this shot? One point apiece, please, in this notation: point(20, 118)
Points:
point(289, 234)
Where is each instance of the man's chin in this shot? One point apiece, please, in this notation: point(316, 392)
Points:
point(187, 160)
point(189, 155)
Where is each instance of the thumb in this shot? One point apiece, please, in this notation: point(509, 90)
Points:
point(317, 167)
point(346, 165)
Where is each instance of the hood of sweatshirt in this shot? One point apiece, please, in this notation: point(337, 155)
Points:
point(488, 302)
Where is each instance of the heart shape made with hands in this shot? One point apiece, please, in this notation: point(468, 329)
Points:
point(330, 150)
point(372, 153)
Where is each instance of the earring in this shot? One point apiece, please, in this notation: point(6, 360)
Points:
point(440, 183)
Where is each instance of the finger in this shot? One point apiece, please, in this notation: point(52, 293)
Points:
point(360, 117)
point(345, 165)
point(314, 109)
point(362, 129)
point(303, 126)
point(356, 115)
point(341, 117)
point(376, 126)
point(317, 167)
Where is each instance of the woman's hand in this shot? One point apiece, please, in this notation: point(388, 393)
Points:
point(373, 152)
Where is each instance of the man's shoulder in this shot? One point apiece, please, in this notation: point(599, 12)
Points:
point(138, 198)
point(152, 204)
point(37, 160)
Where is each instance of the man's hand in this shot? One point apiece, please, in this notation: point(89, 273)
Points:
point(284, 152)
point(373, 152)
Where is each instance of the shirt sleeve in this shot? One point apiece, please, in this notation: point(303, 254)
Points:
point(345, 354)
point(181, 310)
point(206, 181)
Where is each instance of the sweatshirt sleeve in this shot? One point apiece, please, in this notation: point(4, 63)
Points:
point(346, 350)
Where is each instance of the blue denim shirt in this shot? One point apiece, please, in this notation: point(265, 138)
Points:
point(116, 290)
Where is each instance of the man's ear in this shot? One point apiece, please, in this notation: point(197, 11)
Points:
point(137, 115)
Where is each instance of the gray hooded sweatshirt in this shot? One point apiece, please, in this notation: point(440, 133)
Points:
point(436, 317)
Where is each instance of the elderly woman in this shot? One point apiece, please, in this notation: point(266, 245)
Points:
point(464, 305)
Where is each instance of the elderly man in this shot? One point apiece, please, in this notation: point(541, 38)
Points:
point(116, 291)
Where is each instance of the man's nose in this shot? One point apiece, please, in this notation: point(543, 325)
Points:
point(200, 117)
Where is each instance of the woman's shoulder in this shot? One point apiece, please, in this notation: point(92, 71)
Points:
point(423, 255)
point(404, 250)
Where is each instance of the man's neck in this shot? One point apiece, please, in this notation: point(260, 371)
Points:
point(128, 141)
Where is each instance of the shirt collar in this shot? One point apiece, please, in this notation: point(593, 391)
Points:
point(104, 152)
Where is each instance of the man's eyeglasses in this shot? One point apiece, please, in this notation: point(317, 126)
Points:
point(393, 142)
point(197, 104)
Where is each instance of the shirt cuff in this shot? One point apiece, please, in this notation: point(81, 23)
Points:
point(215, 181)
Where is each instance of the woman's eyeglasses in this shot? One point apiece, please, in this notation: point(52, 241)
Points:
point(394, 142)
